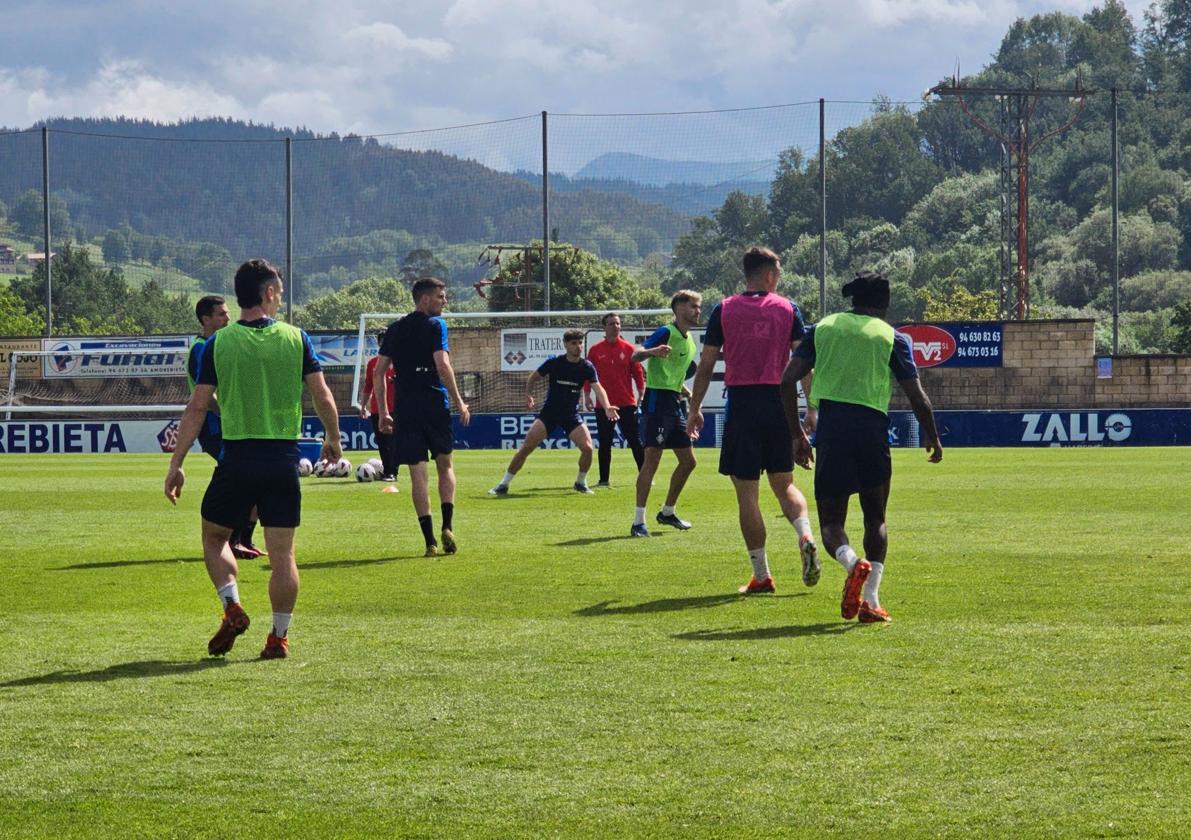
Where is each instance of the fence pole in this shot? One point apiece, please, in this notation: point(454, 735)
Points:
point(545, 214)
point(289, 230)
point(45, 226)
point(1116, 242)
point(822, 209)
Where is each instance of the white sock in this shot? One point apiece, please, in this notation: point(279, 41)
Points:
point(760, 563)
point(873, 584)
point(507, 480)
point(803, 526)
point(667, 510)
point(281, 624)
point(846, 557)
point(229, 593)
point(639, 516)
point(581, 478)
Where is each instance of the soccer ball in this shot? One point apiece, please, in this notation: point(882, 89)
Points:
point(343, 468)
point(305, 467)
point(322, 468)
point(365, 472)
point(378, 466)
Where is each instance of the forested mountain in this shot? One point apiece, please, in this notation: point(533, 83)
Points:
point(657, 172)
point(223, 182)
point(917, 193)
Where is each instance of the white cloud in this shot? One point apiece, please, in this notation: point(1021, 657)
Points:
point(387, 36)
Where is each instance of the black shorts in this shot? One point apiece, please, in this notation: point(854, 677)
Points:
point(756, 434)
point(851, 449)
point(423, 429)
point(568, 420)
point(272, 486)
point(664, 422)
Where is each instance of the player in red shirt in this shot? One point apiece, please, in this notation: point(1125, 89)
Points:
point(385, 444)
point(613, 361)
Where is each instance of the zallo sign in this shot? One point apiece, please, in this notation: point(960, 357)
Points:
point(1075, 427)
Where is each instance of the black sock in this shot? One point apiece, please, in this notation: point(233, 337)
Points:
point(246, 532)
point(448, 514)
point(427, 529)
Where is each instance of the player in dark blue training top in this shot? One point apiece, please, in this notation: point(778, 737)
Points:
point(567, 375)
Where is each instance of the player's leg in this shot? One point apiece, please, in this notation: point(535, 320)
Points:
point(445, 467)
point(225, 501)
point(283, 589)
point(533, 439)
point(873, 502)
point(630, 427)
point(580, 436)
point(682, 471)
point(795, 509)
point(833, 515)
point(752, 528)
point(649, 468)
point(605, 429)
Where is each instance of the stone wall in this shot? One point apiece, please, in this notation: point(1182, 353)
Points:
point(1046, 364)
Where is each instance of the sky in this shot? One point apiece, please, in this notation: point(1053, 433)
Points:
point(380, 67)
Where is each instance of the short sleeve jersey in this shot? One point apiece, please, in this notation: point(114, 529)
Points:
point(411, 343)
point(254, 449)
point(669, 373)
point(567, 379)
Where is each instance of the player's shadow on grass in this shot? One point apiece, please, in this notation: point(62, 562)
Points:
point(124, 671)
point(791, 631)
point(668, 604)
point(581, 541)
point(116, 564)
point(361, 561)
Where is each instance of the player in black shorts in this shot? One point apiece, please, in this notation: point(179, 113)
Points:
point(416, 347)
point(567, 375)
point(212, 315)
point(855, 356)
point(256, 361)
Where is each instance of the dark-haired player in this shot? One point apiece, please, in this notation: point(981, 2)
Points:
point(567, 375)
point(416, 348)
point(212, 315)
point(670, 352)
point(259, 367)
point(386, 444)
point(855, 355)
point(756, 330)
point(619, 374)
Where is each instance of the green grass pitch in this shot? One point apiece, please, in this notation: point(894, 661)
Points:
point(556, 678)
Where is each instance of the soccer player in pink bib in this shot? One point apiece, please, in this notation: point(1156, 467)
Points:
point(756, 331)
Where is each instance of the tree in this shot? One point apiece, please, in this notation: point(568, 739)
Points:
point(421, 262)
point(1180, 328)
point(341, 310)
point(27, 215)
point(956, 303)
point(578, 280)
point(84, 294)
point(116, 247)
point(15, 320)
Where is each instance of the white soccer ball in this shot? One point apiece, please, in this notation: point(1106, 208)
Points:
point(378, 466)
point(305, 467)
point(322, 468)
point(365, 472)
point(343, 469)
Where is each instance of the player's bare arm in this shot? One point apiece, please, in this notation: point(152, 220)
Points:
point(811, 420)
point(707, 359)
point(324, 407)
point(660, 352)
point(796, 370)
point(530, 385)
point(188, 430)
point(442, 362)
point(925, 413)
point(384, 420)
point(612, 412)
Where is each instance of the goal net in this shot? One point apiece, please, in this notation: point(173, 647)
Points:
point(493, 353)
point(126, 383)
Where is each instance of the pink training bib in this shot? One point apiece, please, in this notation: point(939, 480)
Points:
point(756, 338)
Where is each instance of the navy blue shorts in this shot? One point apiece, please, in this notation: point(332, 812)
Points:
point(422, 433)
point(663, 424)
point(567, 420)
point(272, 486)
point(756, 434)
point(851, 450)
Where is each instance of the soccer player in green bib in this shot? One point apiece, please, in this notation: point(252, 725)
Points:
point(259, 366)
point(855, 356)
point(669, 357)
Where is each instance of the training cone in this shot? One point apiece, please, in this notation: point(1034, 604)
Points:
point(389, 488)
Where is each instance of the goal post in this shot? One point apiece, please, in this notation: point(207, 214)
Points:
point(71, 382)
point(480, 370)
